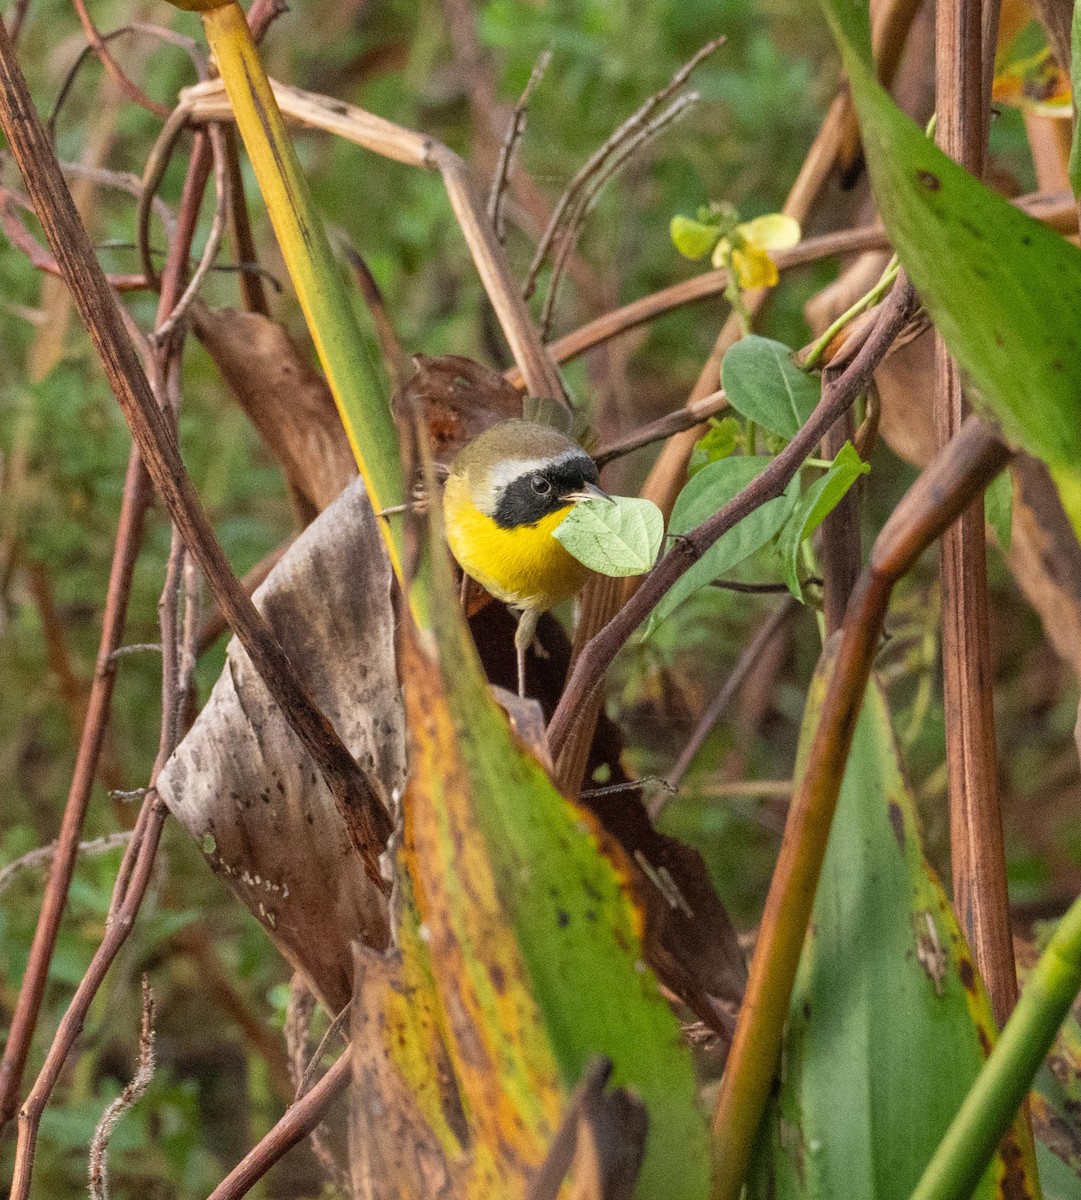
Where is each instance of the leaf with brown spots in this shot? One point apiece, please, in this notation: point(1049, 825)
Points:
point(889, 1022)
point(987, 273)
point(534, 941)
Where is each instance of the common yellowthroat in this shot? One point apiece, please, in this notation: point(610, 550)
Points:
point(506, 493)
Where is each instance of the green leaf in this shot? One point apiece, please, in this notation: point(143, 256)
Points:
point(701, 497)
point(765, 385)
point(992, 278)
point(716, 443)
point(816, 503)
point(888, 1014)
point(998, 505)
point(617, 537)
point(693, 239)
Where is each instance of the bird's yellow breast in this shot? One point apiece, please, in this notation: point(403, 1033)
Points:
point(524, 566)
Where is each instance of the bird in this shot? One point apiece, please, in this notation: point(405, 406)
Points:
point(506, 493)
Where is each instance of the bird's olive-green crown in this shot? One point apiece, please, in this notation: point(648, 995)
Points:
point(518, 472)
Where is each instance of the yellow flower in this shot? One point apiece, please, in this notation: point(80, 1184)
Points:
point(745, 252)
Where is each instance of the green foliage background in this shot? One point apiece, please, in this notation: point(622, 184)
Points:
point(763, 95)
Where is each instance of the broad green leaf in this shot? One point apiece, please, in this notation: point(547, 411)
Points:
point(693, 239)
point(995, 281)
point(998, 506)
point(535, 944)
point(701, 497)
point(888, 1013)
point(816, 503)
point(617, 537)
point(716, 443)
point(765, 385)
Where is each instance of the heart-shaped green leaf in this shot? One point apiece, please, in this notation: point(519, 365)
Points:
point(617, 537)
point(709, 490)
point(765, 385)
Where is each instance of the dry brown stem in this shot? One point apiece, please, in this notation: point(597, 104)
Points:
point(299, 1120)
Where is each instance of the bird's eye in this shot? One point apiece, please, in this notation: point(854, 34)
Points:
point(540, 485)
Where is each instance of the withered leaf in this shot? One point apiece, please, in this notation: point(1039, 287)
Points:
point(241, 783)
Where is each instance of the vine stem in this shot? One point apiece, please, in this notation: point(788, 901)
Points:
point(837, 395)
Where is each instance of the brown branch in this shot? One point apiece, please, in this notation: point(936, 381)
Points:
point(977, 849)
point(357, 793)
point(132, 881)
point(936, 499)
point(837, 395)
point(299, 1120)
point(101, 49)
point(252, 287)
point(691, 414)
point(600, 156)
point(28, 1004)
point(136, 499)
point(508, 150)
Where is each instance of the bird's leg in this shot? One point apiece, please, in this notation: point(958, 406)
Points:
point(463, 590)
point(523, 638)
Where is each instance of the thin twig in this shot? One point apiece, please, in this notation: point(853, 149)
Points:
point(752, 652)
point(508, 150)
point(299, 1120)
point(592, 188)
point(127, 86)
point(251, 274)
point(213, 241)
point(45, 854)
point(135, 648)
point(687, 417)
point(337, 1028)
point(837, 395)
point(596, 160)
point(133, 1092)
point(187, 44)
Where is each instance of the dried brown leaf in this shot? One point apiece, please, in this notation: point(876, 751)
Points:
point(244, 788)
point(459, 398)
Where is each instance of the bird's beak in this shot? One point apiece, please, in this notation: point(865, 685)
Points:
point(589, 491)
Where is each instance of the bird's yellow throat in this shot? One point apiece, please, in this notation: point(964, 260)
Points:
point(524, 566)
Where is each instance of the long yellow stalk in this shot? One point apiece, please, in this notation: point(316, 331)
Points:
point(361, 396)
